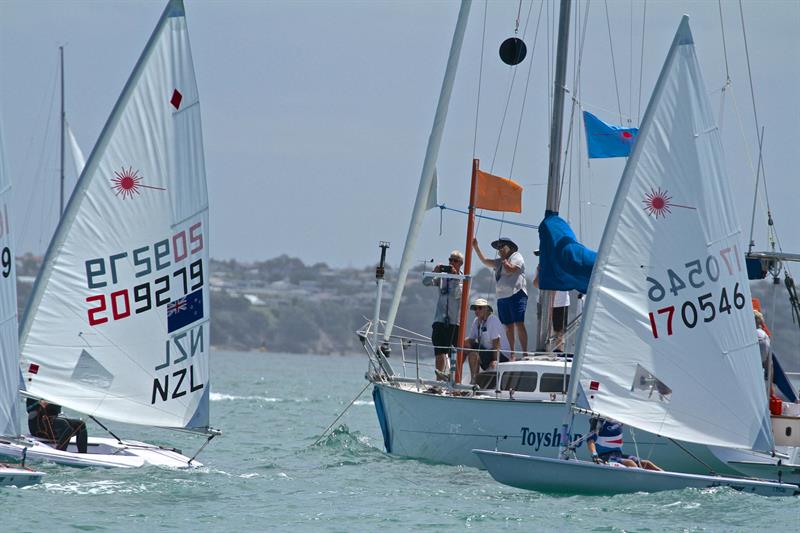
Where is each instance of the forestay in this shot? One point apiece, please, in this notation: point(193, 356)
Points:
point(9, 351)
point(118, 326)
point(669, 343)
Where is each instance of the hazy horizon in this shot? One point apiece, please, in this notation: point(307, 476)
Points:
point(316, 114)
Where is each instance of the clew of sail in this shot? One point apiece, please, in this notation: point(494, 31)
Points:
point(668, 343)
point(9, 373)
point(118, 324)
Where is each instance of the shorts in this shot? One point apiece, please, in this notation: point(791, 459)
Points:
point(560, 319)
point(487, 357)
point(511, 310)
point(617, 457)
point(443, 335)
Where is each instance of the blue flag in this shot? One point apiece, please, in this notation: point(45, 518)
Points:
point(604, 140)
point(185, 311)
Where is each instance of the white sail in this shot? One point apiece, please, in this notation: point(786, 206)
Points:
point(77, 154)
point(118, 325)
point(9, 351)
point(669, 342)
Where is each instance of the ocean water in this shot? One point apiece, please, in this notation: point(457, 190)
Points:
point(266, 474)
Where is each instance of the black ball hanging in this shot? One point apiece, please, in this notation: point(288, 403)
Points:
point(513, 51)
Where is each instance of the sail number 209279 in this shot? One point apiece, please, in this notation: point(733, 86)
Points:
point(706, 307)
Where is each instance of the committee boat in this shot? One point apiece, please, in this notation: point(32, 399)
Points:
point(519, 409)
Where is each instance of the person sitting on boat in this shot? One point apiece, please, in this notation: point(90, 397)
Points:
point(764, 347)
point(45, 422)
point(605, 444)
point(510, 287)
point(448, 306)
point(487, 337)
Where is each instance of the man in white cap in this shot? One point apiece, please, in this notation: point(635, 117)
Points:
point(512, 294)
point(487, 336)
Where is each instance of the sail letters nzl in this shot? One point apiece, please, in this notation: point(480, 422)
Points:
point(186, 345)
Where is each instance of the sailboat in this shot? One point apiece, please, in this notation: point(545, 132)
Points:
point(117, 327)
point(520, 408)
point(9, 376)
point(668, 341)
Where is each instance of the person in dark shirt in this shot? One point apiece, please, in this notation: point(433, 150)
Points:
point(605, 445)
point(45, 422)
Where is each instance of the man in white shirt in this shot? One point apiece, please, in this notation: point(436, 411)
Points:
point(487, 336)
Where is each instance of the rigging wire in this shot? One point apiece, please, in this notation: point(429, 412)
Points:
point(613, 62)
point(724, 43)
point(508, 97)
point(630, 62)
point(480, 82)
point(575, 101)
point(641, 67)
point(41, 187)
point(527, 83)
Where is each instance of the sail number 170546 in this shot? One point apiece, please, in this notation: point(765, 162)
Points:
point(707, 307)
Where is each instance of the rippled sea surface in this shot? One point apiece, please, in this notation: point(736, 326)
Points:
point(266, 474)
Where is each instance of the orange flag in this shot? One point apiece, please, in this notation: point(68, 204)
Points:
point(498, 194)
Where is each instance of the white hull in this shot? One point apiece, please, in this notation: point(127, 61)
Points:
point(445, 429)
point(18, 477)
point(582, 477)
point(102, 452)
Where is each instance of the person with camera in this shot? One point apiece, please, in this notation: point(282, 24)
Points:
point(510, 287)
point(446, 319)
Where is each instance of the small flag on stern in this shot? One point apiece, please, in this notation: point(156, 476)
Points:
point(185, 311)
point(497, 194)
point(605, 140)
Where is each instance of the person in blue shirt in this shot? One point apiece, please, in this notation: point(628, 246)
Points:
point(605, 445)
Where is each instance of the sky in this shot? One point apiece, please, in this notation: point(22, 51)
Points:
point(316, 114)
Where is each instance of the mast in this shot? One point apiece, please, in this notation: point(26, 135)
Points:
point(429, 166)
point(63, 128)
point(554, 172)
point(462, 313)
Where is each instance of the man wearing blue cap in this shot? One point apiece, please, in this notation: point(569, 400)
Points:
point(512, 294)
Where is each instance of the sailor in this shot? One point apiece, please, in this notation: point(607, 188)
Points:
point(45, 422)
point(510, 288)
point(446, 320)
point(605, 445)
point(487, 336)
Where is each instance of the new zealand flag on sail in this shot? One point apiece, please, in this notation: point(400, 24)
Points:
point(185, 311)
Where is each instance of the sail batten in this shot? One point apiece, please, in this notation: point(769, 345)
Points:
point(118, 325)
point(668, 339)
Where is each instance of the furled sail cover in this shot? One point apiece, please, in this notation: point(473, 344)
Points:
point(669, 343)
point(118, 325)
point(9, 351)
point(564, 263)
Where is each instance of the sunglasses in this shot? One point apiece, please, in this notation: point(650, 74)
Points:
point(455, 260)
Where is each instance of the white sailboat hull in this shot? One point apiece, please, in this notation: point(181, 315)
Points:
point(556, 475)
point(18, 477)
point(102, 452)
point(445, 429)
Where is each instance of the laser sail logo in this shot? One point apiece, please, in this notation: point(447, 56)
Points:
point(127, 183)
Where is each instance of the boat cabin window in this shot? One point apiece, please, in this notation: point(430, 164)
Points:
point(519, 381)
point(554, 382)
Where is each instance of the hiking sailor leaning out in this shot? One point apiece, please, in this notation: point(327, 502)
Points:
point(446, 319)
point(605, 445)
point(512, 294)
